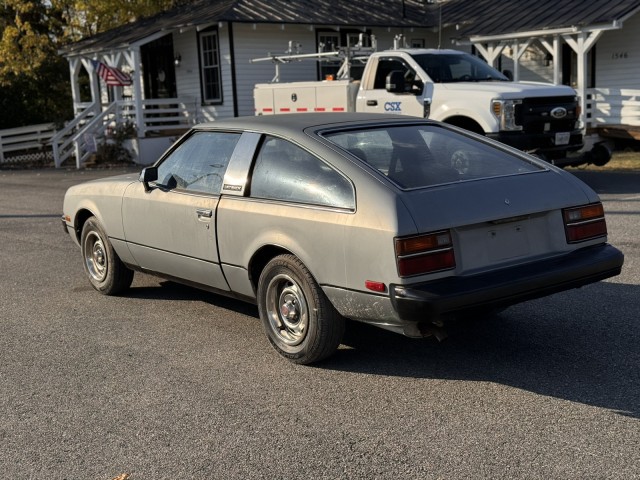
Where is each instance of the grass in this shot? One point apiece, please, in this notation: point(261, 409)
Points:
point(621, 160)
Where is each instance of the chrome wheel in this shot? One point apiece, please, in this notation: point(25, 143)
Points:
point(299, 320)
point(287, 310)
point(102, 265)
point(95, 256)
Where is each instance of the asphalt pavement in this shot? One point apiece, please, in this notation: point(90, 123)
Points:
point(170, 382)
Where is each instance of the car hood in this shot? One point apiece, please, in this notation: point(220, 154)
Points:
point(108, 185)
point(477, 201)
point(510, 89)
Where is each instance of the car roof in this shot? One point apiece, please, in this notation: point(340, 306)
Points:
point(298, 122)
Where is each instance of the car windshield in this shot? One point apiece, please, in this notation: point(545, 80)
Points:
point(418, 156)
point(457, 67)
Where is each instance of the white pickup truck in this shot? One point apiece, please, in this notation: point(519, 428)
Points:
point(446, 85)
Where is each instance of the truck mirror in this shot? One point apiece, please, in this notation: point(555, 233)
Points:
point(508, 74)
point(395, 82)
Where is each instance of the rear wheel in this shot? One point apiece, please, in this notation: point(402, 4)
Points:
point(299, 320)
point(105, 270)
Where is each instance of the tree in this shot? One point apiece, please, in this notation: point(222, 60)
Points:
point(88, 17)
point(34, 79)
point(28, 38)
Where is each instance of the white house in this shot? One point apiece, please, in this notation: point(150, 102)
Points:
point(192, 63)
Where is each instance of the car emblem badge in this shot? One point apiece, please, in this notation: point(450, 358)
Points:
point(294, 97)
point(559, 112)
point(507, 201)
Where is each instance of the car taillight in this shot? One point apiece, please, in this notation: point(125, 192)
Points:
point(584, 223)
point(423, 254)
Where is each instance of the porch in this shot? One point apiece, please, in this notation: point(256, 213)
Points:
point(150, 133)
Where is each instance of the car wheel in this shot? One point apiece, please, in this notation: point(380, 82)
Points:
point(102, 265)
point(299, 320)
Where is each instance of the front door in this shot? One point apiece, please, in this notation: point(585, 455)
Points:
point(171, 229)
point(376, 99)
point(158, 66)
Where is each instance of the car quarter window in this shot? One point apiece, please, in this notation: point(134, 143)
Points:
point(284, 171)
point(198, 163)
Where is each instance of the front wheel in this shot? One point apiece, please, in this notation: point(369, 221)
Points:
point(299, 320)
point(106, 272)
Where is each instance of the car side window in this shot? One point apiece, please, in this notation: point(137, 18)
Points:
point(284, 171)
point(198, 164)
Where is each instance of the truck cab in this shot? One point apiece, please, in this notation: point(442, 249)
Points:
point(460, 89)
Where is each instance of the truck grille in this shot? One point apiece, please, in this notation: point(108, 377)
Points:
point(534, 114)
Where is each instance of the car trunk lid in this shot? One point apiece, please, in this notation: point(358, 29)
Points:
point(500, 220)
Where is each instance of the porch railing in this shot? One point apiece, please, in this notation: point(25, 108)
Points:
point(609, 106)
point(160, 114)
point(79, 137)
point(62, 142)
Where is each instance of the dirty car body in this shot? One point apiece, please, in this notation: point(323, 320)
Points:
point(398, 222)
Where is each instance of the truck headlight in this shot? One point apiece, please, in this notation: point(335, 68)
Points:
point(505, 111)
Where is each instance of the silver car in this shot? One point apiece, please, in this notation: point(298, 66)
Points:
point(394, 221)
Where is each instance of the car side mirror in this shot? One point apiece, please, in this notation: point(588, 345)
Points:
point(149, 174)
point(395, 82)
point(508, 74)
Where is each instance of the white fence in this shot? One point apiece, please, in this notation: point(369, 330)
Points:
point(18, 143)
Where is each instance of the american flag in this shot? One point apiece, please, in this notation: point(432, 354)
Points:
point(112, 76)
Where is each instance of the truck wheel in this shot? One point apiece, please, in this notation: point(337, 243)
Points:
point(299, 320)
point(106, 272)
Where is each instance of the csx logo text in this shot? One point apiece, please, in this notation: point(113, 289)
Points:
point(392, 107)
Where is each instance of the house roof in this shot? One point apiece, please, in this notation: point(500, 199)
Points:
point(473, 18)
point(485, 18)
point(386, 13)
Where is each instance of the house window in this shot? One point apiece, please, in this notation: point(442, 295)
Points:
point(210, 67)
point(331, 41)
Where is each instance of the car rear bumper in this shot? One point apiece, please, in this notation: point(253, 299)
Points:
point(506, 286)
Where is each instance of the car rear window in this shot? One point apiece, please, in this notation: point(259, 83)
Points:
point(417, 156)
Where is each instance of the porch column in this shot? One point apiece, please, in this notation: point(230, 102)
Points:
point(518, 51)
point(582, 44)
point(554, 50)
point(74, 73)
point(136, 60)
point(96, 97)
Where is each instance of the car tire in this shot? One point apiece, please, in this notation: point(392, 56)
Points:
point(106, 272)
point(299, 320)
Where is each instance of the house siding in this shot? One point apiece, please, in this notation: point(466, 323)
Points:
point(188, 74)
point(618, 57)
point(259, 42)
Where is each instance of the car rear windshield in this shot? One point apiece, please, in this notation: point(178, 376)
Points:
point(417, 156)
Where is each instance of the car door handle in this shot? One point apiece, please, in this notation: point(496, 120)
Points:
point(372, 103)
point(204, 212)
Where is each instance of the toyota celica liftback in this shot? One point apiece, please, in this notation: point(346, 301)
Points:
point(394, 221)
